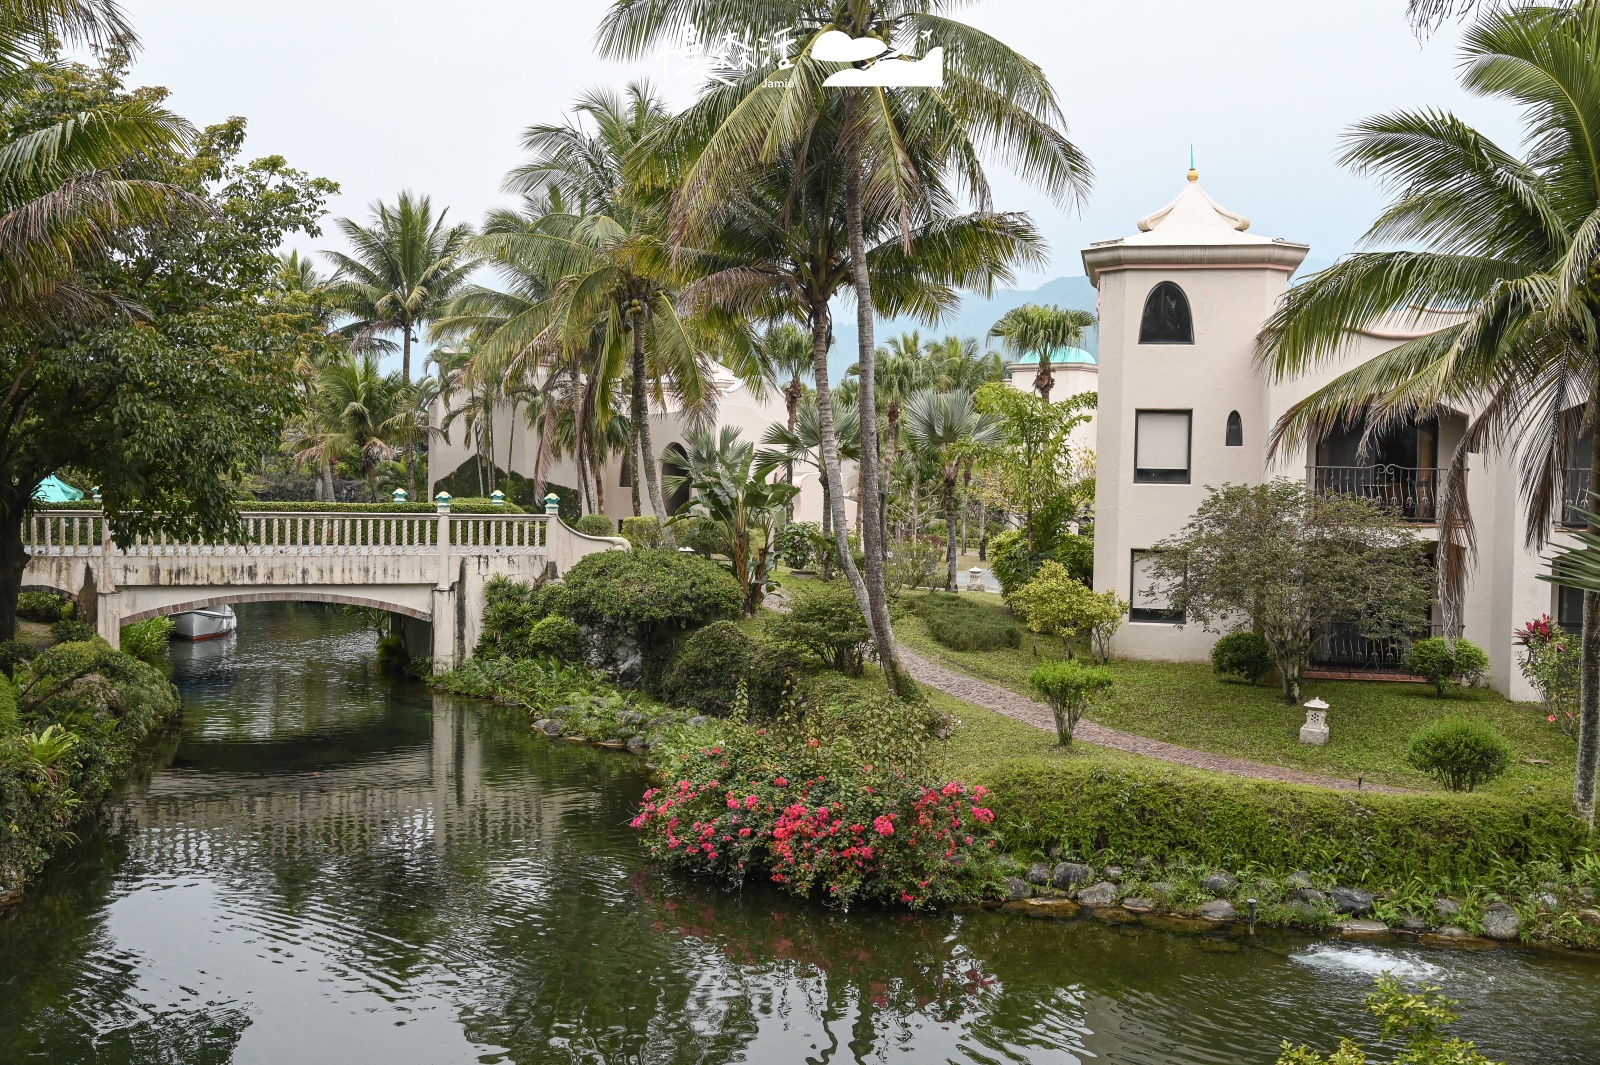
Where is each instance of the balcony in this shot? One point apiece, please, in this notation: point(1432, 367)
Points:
point(1343, 647)
point(1409, 492)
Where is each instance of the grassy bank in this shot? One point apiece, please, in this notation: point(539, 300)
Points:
point(72, 724)
point(1186, 704)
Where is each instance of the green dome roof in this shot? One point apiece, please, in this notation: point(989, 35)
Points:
point(1058, 357)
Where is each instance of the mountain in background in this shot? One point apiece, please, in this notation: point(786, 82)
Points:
point(976, 315)
point(973, 318)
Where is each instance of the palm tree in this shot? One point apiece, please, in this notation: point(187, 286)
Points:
point(900, 372)
point(402, 271)
point(614, 287)
point(1032, 329)
point(802, 442)
point(357, 407)
point(943, 427)
point(1511, 244)
point(901, 150)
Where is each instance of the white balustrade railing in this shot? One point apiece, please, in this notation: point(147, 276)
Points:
point(73, 532)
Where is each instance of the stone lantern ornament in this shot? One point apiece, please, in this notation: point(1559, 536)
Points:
point(1315, 730)
point(974, 579)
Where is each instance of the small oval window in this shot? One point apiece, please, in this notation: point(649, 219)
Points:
point(1166, 318)
point(1235, 430)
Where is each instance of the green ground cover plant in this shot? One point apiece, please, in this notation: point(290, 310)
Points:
point(962, 625)
point(71, 723)
point(1372, 722)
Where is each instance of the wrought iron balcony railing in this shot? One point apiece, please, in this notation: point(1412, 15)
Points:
point(1411, 493)
point(1343, 647)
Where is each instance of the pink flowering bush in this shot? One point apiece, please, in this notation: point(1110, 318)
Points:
point(808, 812)
point(1549, 660)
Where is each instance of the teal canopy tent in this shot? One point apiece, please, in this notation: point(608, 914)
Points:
point(54, 490)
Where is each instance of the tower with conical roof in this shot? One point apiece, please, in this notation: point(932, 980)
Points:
point(1182, 405)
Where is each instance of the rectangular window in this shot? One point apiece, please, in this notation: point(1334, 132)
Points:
point(1569, 609)
point(1161, 446)
point(1146, 601)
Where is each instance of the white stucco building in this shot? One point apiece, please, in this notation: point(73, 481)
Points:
point(1184, 406)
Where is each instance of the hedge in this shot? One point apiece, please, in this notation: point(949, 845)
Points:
point(1093, 811)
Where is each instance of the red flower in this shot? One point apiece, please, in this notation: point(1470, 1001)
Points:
point(883, 824)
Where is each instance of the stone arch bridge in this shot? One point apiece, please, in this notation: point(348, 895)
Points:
point(428, 569)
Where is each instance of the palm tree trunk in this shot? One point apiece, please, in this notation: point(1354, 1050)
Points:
point(1045, 379)
point(405, 355)
point(791, 398)
point(633, 467)
point(1588, 768)
point(541, 460)
point(821, 328)
point(641, 415)
point(872, 544)
point(327, 479)
point(950, 528)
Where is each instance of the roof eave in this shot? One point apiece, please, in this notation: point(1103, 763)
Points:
point(1274, 255)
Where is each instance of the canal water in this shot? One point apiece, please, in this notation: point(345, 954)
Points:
point(334, 868)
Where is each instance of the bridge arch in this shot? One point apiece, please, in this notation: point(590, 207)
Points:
point(50, 589)
point(286, 596)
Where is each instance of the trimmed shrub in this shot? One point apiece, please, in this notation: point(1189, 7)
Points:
point(1243, 656)
point(1166, 813)
point(1057, 604)
point(965, 625)
point(1459, 753)
point(1444, 666)
point(1069, 688)
point(707, 668)
point(795, 546)
point(43, 607)
point(1012, 563)
point(68, 631)
point(653, 594)
point(642, 531)
point(553, 637)
point(825, 625)
point(1076, 553)
point(147, 641)
point(595, 525)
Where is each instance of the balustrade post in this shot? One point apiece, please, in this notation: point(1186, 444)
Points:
point(108, 547)
point(443, 501)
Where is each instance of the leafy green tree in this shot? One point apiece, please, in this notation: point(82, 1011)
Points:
point(901, 152)
point(1055, 603)
point(1027, 468)
point(402, 269)
point(944, 428)
point(1289, 561)
point(1042, 330)
point(1507, 239)
point(1069, 687)
point(139, 340)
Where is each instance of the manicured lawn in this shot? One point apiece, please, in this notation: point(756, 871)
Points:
point(1184, 703)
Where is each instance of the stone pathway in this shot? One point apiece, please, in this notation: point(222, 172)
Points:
point(991, 697)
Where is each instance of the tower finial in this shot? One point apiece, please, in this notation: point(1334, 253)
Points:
point(1194, 175)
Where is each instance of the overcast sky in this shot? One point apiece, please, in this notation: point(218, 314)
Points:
point(382, 95)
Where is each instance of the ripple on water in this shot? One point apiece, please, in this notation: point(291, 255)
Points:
point(337, 868)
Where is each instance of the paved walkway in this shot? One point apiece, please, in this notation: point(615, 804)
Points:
point(1009, 703)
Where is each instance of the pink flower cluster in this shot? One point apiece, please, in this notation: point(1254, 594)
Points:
point(843, 839)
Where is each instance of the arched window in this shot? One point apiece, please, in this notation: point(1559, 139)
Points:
point(1166, 317)
point(675, 463)
point(1235, 430)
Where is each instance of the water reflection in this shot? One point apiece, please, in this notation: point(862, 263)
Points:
point(339, 868)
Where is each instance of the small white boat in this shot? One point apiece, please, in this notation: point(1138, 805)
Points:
point(207, 624)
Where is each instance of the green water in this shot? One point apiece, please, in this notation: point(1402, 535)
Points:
point(336, 868)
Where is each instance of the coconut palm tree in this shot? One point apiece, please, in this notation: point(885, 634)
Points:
point(901, 150)
point(1034, 329)
point(1512, 246)
point(778, 245)
point(359, 408)
point(801, 442)
point(402, 270)
point(943, 427)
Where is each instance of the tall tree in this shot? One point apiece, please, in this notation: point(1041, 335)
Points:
point(1514, 243)
point(402, 269)
point(945, 428)
point(901, 149)
point(139, 342)
point(1042, 330)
